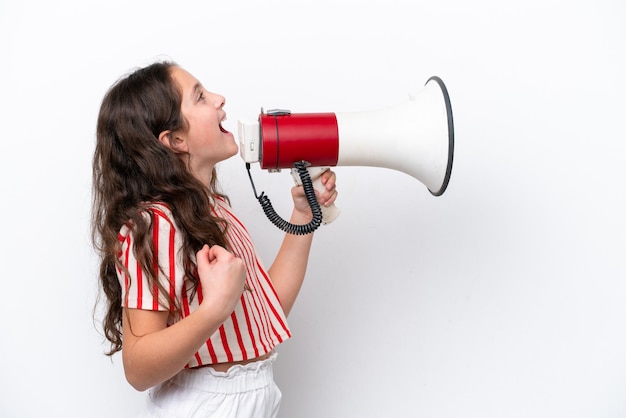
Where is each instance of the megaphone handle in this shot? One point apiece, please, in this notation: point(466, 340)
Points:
point(329, 213)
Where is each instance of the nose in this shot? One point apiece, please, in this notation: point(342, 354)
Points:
point(219, 101)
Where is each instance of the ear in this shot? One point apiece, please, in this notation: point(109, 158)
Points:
point(173, 142)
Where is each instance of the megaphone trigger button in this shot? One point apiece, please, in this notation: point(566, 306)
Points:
point(278, 112)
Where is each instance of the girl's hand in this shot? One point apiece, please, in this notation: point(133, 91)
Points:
point(326, 198)
point(223, 277)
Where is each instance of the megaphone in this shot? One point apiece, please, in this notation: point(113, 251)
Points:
point(415, 137)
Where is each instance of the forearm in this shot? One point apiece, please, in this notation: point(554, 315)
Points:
point(153, 352)
point(289, 268)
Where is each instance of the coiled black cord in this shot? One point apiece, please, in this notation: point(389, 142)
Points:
point(309, 193)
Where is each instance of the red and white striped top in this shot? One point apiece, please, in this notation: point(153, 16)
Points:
point(254, 328)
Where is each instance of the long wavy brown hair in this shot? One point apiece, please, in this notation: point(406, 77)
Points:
point(131, 170)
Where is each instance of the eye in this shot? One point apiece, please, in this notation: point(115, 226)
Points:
point(201, 96)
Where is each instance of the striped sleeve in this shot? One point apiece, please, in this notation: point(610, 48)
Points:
point(137, 292)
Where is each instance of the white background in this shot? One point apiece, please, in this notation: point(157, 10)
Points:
point(505, 297)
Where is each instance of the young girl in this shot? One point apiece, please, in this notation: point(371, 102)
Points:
point(192, 308)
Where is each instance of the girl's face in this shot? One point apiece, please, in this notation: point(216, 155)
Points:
point(205, 141)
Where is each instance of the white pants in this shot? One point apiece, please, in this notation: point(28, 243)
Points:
point(244, 391)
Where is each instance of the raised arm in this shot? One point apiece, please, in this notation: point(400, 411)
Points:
point(289, 268)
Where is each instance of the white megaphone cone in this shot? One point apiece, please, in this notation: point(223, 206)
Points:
point(416, 137)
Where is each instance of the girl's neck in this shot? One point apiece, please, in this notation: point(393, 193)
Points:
point(204, 174)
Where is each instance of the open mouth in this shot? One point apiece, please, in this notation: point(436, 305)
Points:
point(221, 126)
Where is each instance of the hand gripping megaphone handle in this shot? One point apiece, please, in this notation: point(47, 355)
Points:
point(329, 213)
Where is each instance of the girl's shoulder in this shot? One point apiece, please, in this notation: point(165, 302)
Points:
point(153, 213)
point(160, 214)
point(159, 209)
